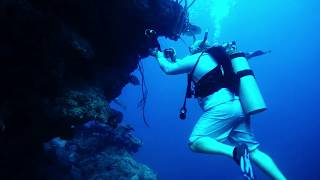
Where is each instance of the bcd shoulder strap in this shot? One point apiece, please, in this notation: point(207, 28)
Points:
point(189, 89)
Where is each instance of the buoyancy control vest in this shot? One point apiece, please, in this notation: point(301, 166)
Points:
point(209, 83)
point(222, 76)
point(219, 77)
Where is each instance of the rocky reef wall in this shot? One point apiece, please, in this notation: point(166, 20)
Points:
point(97, 151)
point(62, 61)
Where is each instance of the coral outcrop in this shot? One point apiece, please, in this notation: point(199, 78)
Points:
point(96, 152)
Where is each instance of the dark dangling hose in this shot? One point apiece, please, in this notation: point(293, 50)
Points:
point(144, 90)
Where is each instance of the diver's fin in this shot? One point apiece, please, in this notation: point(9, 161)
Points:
point(242, 157)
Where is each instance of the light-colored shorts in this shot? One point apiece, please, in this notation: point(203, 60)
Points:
point(225, 122)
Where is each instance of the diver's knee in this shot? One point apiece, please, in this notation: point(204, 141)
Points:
point(192, 146)
point(195, 145)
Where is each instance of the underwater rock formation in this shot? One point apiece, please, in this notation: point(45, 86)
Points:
point(75, 107)
point(63, 60)
point(50, 47)
point(96, 152)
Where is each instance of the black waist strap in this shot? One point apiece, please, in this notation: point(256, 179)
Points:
point(243, 73)
point(210, 83)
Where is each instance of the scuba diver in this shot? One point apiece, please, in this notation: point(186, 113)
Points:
point(224, 116)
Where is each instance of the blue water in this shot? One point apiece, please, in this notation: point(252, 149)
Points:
point(288, 79)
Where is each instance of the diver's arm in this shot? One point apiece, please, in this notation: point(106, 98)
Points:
point(172, 68)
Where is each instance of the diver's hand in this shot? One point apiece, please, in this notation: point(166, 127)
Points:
point(165, 55)
point(153, 52)
point(160, 54)
point(170, 54)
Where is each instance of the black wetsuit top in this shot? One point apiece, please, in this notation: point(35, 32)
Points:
point(217, 78)
point(211, 82)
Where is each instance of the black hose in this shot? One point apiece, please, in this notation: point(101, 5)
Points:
point(144, 90)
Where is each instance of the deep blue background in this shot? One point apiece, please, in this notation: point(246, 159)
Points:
point(288, 79)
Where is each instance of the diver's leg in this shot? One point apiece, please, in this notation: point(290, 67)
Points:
point(266, 164)
point(212, 128)
point(211, 146)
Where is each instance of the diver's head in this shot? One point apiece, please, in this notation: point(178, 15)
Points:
point(199, 46)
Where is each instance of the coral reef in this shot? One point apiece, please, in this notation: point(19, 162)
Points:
point(96, 152)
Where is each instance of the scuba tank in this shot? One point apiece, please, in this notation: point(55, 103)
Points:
point(238, 74)
point(250, 96)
